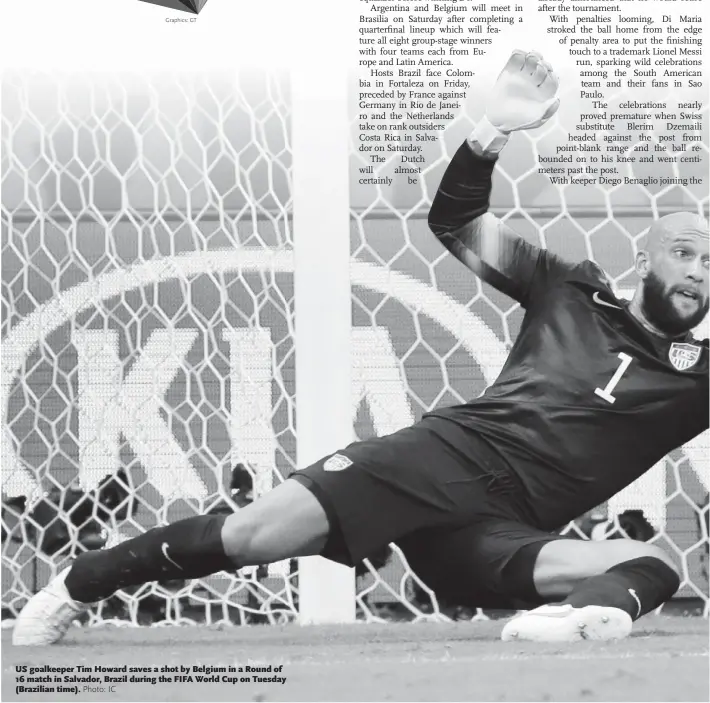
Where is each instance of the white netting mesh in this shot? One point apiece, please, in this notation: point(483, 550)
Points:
point(147, 322)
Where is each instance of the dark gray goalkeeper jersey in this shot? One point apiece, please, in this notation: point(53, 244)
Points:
point(588, 399)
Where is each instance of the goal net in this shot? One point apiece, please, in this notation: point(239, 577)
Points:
point(148, 367)
point(147, 289)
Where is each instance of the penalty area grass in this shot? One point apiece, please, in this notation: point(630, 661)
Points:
point(665, 659)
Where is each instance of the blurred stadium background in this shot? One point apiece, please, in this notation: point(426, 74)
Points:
point(147, 326)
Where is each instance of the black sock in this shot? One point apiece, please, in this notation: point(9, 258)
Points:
point(186, 549)
point(637, 586)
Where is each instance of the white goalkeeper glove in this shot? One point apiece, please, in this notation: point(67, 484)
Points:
point(524, 97)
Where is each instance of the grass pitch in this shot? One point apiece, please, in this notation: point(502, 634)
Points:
point(665, 659)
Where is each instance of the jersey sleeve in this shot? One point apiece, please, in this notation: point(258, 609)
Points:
point(459, 217)
point(464, 192)
point(547, 271)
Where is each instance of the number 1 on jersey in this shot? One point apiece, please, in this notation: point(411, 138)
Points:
point(606, 392)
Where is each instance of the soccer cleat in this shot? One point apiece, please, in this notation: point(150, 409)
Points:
point(565, 623)
point(47, 615)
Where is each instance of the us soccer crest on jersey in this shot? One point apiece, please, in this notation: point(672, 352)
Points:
point(683, 356)
point(337, 462)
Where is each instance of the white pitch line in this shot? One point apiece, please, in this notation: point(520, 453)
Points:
point(519, 656)
point(508, 657)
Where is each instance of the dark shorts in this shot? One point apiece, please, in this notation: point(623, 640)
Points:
point(488, 564)
point(437, 490)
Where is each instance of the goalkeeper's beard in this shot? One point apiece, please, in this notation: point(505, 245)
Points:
point(658, 308)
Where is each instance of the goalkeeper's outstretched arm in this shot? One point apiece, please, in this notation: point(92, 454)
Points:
point(524, 97)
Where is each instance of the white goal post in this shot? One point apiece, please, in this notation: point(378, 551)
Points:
point(322, 303)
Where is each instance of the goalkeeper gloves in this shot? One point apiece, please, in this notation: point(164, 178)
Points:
point(524, 97)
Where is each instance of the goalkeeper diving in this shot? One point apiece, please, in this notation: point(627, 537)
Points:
point(594, 392)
